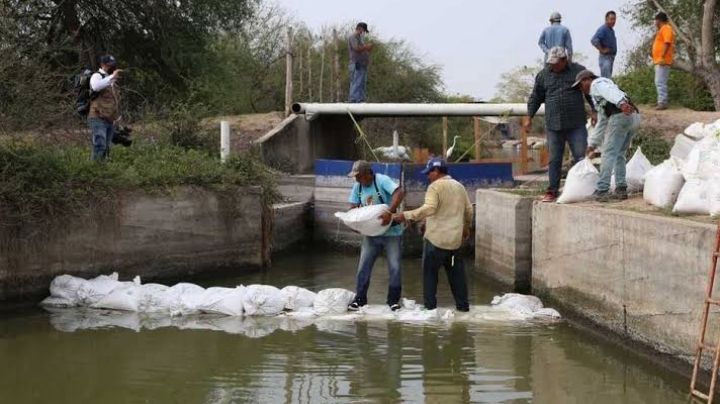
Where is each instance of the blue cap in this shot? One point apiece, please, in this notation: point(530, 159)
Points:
point(434, 162)
point(108, 60)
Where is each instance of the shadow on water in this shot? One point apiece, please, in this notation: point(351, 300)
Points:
point(51, 359)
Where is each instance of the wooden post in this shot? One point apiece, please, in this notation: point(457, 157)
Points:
point(524, 148)
point(477, 138)
point(445, 133)
point(309, 66)
point(288, 73)
point(301, 73)
point(336, 58)
point(322, 70)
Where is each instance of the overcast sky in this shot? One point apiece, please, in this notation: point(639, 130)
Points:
point(473, 41)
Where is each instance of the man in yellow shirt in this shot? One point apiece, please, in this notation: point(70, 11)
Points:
point(449, 212)
point(662, 54)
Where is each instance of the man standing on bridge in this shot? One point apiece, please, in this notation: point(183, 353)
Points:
point(359, 61)
point(371, 189)
point(564, 113)
point(449, 213)
point(555, 35)
point(606, 43)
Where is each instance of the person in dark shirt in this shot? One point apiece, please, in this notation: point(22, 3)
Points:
point(606, 43)
point(565, 115)
point(359, 61)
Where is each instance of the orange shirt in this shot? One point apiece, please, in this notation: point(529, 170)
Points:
point(664, 35)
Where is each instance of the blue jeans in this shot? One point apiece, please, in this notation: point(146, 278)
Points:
point(618, 131)
point(371, 248)
point(102, 133)
point(577, 139)
point(434, 258)
point(358, 82)
point(606, 65)
point(662, 74)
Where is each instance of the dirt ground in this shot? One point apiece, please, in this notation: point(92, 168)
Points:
point(246, 128)
point(674, 120)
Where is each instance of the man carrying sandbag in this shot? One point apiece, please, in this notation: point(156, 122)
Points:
point(371, 189)
point(618, 119)
point(448, 211)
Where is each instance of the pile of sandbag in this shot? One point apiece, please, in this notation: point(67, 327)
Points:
point(580, 182)
point(106, 292)
point(663, 183)
point(365, 220)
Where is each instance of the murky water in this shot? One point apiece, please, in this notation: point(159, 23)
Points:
point(43, 361)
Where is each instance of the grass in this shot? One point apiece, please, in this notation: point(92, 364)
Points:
point(40, 181)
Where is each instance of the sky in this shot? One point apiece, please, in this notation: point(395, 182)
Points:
point(473, 41)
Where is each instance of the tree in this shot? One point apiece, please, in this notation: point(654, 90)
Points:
point(697, 32)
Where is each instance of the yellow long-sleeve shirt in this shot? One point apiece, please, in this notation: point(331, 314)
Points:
point(448, 211)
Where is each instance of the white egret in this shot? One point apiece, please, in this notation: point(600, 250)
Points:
point(451, 148)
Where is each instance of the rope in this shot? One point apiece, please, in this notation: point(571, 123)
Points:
point(362, 135)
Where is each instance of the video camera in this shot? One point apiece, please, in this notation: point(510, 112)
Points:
point(122, 136)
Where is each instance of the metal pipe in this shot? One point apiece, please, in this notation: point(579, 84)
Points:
point(480, 109)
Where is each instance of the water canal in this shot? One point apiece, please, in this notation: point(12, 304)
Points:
point(69, 358)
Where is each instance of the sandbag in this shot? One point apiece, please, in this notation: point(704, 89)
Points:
point(297, 298)
point(64, 289)
point(714, 195)
point(703, 161)
point(682, 147)
point(693, 198)
point(635, 171)
point(151, 298)
point(126, 298)
point(515, 302)
point(181, 299)
point(263, 300)
point(580, 182)
point(333, 301)
point(695, 131)
point(55, 301)
point(228, 301)
point(91, 291)
point(365, 220)
point(663, 183)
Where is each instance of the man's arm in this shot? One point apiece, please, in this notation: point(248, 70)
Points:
point(397, 198)
point(598, 39)
point(428, 208)
point(98, 83)
point(541, 43)
point(468, 217)
point(537, 97)
point(568, 45)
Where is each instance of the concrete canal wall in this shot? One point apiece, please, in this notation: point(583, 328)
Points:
point(642, 276)
point(189, 231)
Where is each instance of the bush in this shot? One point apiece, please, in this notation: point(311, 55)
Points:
point(684, 89)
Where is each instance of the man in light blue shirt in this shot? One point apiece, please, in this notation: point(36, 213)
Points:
point(371, 189)
point(618, 120)
point(606, 43)
point(556, 35)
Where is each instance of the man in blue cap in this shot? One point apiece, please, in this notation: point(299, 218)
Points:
point(104, 107)
point(448, 213)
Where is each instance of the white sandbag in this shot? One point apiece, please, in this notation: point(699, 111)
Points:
point(55, 301)
point(703, 161)
point(152, 297)
point(515, 302)
point(580, 182)
point(181, 299)
point(91, 291)
point(263, 300)
point(663, 183)
point(333, 301)
point(635, 171)
point(695, 131)
point(297, 298)
point(227, 301)
point(713, 185)
point(126, 298)
point(365, 220)
point(693, 198)
point(547, 312)
point(682, 147)
point(64, 289)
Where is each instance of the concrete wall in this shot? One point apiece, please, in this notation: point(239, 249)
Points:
point(153, 235)
point(503, 237)
point(292, 224)
point(639, 275)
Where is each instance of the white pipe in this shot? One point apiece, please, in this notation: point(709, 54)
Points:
point(224, 140)
point(480, 109)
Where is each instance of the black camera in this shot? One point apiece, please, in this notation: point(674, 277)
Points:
point(122, 136)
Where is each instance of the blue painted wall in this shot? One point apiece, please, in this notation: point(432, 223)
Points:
point(340, 168)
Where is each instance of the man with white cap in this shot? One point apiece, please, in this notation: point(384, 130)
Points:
point(556, 35)
point(617, 123)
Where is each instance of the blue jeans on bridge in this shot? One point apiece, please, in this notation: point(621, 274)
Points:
point(102, 133)
point(577, 139)
point(606, 65)
point(662, 74)
point(371, 248)
point(358, 82)
point(619, 130)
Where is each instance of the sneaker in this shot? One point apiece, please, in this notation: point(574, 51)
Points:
point(601, 196)
point(550, 196)
point(463, 309)
point(354, 306)
point(395, 307)
point(620, 193)
point(661, 107)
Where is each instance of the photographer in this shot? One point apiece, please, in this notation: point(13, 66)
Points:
point(104, 107)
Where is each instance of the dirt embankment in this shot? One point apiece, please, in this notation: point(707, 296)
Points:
point(672, 121)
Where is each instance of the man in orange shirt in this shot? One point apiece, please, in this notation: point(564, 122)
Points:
point(662, 54)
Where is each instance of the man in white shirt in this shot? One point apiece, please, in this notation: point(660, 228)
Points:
point(618, 120)
point(104, 107)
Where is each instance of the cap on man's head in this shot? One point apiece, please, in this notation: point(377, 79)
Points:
point(555, 54)
point(360, 167)
point(108, 60)
point(584, 74)
point(555, 17)
point(433, 163)
point(661, 17)
point(363, 26)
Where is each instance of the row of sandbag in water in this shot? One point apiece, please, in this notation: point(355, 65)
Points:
point(107, 292)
